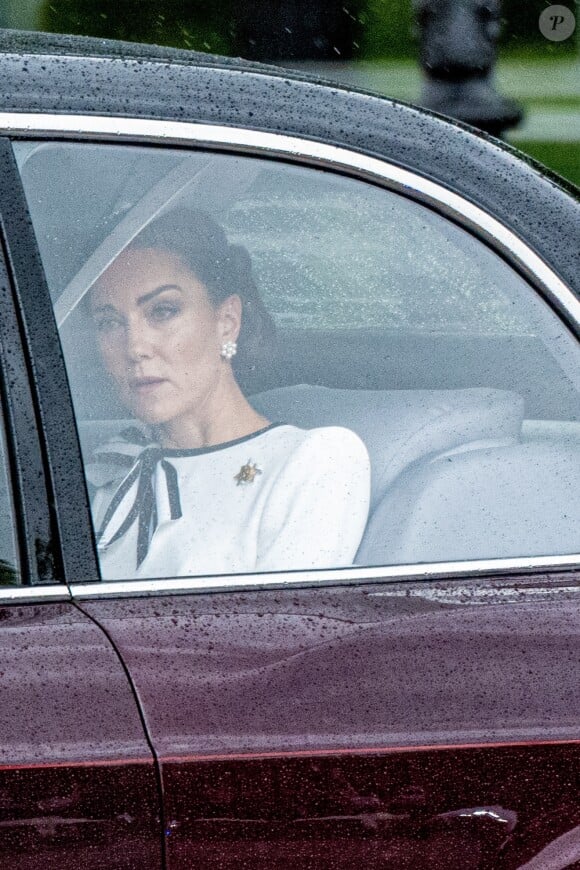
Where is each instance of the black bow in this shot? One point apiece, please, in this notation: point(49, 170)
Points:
point(144, 508)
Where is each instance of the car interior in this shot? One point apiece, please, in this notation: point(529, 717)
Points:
point(391, 320)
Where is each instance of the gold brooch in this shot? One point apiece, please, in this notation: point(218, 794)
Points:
point(247, 473)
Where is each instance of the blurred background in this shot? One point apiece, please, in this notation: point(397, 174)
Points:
point(370, 44)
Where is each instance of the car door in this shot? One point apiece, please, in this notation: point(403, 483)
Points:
point(420, 708)
point(78, 784)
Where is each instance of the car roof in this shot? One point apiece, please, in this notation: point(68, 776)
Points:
point(63, 74)
point(73, 45)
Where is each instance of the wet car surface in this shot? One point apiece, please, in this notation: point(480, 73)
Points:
point(419, 709)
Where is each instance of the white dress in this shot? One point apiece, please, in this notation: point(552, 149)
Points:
point(281, 499)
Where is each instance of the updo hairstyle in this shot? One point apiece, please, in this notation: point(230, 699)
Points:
point(224, 270)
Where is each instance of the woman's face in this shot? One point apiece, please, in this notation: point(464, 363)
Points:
point(160, 336)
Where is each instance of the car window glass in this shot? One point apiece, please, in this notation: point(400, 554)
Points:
point(377, 316)
point(9, 570)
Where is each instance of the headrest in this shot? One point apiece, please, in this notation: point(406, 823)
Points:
point(399, 426)
point(520, 500)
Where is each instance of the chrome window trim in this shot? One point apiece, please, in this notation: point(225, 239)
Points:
point(361, 166)
point(33, 594)
point(308, 151)
point(313, 579)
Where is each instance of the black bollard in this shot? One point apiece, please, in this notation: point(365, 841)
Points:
point(458, 49)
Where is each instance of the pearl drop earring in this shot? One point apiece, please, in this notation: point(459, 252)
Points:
point(229, 349)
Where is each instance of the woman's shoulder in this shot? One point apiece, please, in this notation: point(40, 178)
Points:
point(336, 435)
point(331, 444)
point(329, 462)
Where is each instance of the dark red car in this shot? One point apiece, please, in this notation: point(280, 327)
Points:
point(419, 708)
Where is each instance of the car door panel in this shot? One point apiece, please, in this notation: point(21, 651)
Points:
point(401, 809)
point(372, 724)
point(77, 778)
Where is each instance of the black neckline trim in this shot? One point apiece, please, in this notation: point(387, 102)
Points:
point(214, 448)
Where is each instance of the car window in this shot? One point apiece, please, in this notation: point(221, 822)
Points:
point(9, 569)
point(394, 338)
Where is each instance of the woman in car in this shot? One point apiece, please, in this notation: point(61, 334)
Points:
point(208, 485)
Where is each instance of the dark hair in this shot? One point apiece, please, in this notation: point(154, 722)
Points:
point(224, 270)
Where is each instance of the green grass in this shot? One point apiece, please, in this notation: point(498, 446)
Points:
point(561, 157)
point(552, 102)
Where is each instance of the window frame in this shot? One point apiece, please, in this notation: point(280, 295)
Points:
point(36, 543)
point(42, 444)
point(541, 277)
